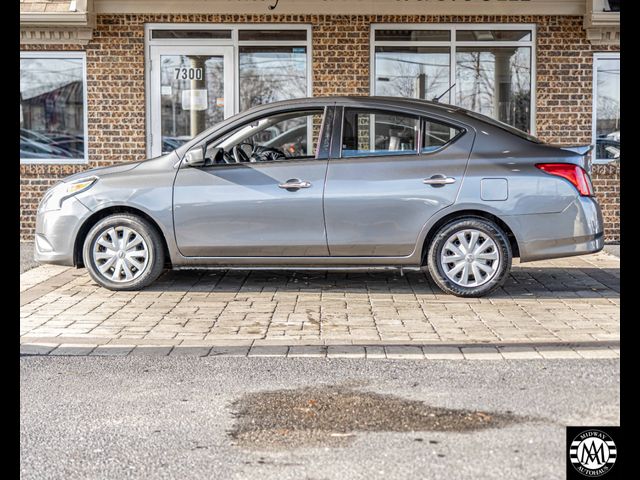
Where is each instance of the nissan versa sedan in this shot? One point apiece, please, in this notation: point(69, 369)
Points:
point(331, 183)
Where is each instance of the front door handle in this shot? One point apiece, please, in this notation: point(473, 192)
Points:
point(294, 184)
point(439, 181)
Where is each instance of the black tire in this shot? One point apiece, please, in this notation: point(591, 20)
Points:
point(155, 257)
point(489, 229)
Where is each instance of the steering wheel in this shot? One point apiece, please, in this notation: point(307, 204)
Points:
point(266, 154)
point(239, 154)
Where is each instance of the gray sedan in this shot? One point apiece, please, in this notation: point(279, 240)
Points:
point(331, 183)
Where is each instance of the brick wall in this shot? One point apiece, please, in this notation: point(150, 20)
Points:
point(606, 182)
point(116, 100)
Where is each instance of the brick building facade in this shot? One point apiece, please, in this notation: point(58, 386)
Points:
point(117, 92)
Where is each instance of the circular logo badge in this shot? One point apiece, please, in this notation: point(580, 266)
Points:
point(592, 453)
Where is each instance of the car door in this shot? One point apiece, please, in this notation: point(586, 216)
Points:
point(261, 205)
point(392, 172)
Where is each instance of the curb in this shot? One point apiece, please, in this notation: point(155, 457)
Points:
point(584, 350)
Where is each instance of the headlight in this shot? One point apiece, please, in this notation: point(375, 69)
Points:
point(53, 198)
point(79, 185)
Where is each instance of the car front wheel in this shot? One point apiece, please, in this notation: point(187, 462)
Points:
point(123, 252)
point(469, 257)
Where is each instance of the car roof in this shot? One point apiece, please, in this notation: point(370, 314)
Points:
point(365, 99)
point(409, 105)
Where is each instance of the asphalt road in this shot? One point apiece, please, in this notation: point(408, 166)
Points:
point(272, 418)
point(26, 257)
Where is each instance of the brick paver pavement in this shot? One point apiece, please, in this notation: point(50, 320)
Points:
point(573, 300)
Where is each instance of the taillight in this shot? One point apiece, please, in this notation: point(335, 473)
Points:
point(574, 173)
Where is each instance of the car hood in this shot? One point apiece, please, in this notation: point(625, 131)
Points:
point(103, 171)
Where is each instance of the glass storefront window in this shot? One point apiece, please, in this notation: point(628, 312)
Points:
point(201, 75)
point(606, 97)
point(263, 35)
point(52, 104)
point(412, 35)
point(491, 78)
point(192, 96)
point(183, 34)
point(495, 81)
point(493, 35)
point(414, 72)
point(270, 74)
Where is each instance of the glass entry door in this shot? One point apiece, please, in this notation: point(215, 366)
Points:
point(191, 90)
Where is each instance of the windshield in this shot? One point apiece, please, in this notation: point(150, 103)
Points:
point(502, 125)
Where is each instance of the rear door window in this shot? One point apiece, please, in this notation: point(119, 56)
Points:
point(375, 132)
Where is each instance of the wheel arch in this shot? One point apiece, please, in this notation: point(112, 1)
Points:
point(515, 249)
point(105, 212)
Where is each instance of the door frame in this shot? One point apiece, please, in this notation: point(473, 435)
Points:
point(231, 42)
point(154, 111)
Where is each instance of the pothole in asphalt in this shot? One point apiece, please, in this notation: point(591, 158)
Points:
point(332, 416)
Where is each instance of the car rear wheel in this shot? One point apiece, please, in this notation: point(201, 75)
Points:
point(469, 257)
point(123, 252)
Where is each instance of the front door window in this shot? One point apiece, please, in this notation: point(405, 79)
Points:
point(283, 136)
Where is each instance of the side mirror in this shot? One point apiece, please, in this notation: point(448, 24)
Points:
point(195, 157)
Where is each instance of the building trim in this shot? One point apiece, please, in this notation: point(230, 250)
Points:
point(52, 36)
point(601, 24)
point(75, 26)
point(603, 28)
point(346, 7)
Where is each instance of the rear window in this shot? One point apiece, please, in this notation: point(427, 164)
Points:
point(502, 125)
point(436, 135)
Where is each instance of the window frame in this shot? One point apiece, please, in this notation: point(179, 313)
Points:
point(594, 104)
point(452, 44)
point(327, 112)
point(75, 55)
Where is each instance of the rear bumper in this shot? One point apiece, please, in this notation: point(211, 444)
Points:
point(578, 230)
point(56, 231)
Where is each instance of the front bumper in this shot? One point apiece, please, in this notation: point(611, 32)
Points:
point(577, 230)
point(56, 231)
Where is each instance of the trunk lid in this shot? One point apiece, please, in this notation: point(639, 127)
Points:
point(576, 154)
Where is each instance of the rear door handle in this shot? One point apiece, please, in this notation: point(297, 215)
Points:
point(294, 184)
point(439, 180)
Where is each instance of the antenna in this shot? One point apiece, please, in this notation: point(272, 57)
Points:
point(437, 99)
